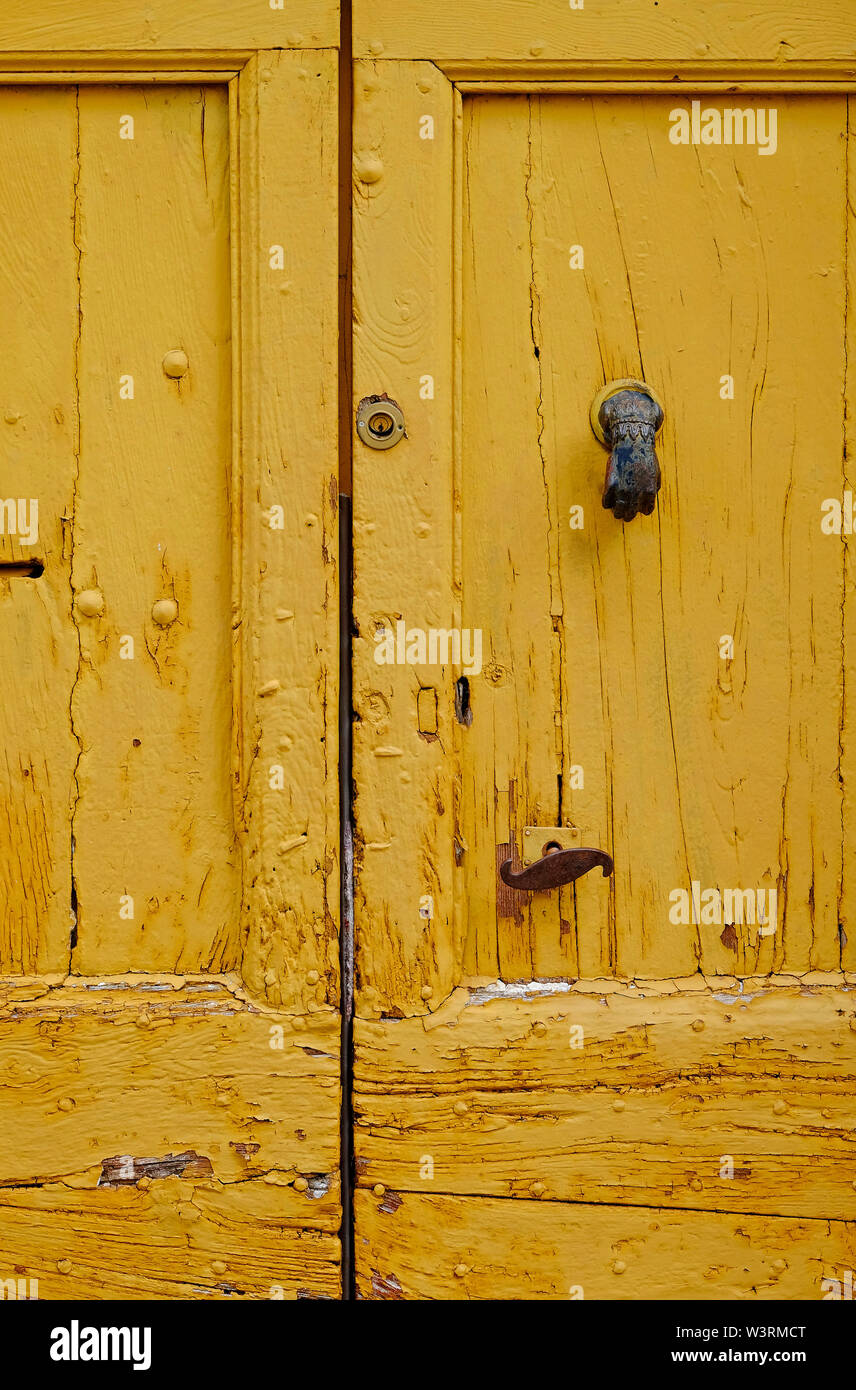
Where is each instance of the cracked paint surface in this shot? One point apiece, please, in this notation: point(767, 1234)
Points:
point(547, 1085)
point(170, 1094)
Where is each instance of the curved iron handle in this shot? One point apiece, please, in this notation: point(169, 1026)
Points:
point(630, 419)
point(558, 867)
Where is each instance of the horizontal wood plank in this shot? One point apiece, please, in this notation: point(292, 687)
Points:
point(422, 1247)
point(147, 1066)
point(159, 24)
point(173, 1239)
point(486, 30)
point(700, 1099)
point(150, 1127)
point(166, 1138)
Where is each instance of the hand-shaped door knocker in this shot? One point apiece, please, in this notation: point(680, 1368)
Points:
point(626, 417)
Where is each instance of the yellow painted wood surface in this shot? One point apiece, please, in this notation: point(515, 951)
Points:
point(153, 817)
point(602, 645)
point(192, 1066)
point(287, 612)
point(527, 30)
point(38, 306)
point(168, 496)
point(484, 1248)
point(602, 651)
point(59, 26)
point(150, 1067)
point(606, 639)
point(218, 1114)
point(700, 1098)
point(848, 613)
point(403, 528)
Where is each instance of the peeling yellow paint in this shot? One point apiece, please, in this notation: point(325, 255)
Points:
point(170, 1098)
point(578, 1088)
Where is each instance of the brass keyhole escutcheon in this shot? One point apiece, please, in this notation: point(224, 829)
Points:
point(380, 422)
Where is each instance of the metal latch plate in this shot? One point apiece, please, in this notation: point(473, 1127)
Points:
point(537, 837)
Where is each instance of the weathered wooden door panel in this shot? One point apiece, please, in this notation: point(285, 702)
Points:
point(661, 1086)
point(528, 1250)
point(608, 704)
point(169, 1022)
point(153, 820)
point(666, 1055)
point(167, 1138)
point(38, 305)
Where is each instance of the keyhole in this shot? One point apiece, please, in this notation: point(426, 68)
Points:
point(381, 425)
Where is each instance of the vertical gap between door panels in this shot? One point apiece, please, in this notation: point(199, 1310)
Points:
point(346, 854)
point(346, 871)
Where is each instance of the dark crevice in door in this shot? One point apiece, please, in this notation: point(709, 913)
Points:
point(346, 713)
point(346, 852)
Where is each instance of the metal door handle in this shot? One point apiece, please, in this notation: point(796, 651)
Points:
point(558, 866)
point(626, 417)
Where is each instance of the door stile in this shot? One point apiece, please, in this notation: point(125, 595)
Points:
point(403, 529)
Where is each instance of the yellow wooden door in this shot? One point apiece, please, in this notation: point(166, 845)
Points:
point(638, 1085)
point(169, 1021)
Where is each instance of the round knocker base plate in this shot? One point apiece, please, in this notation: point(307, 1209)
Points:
point(625, 383)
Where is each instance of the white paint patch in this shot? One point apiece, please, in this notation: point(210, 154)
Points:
point(519, 989)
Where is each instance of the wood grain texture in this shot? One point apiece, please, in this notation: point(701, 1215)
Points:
point(403, 526)
point(847, 906)
point(173, 755)
point(58, 25)
point(153, 818)
point(521, 30)
point(619, 1097)
point(173, 1240)
point(602, 645)
point(605, 639)
point(424, 1247)
point(287, 621)
point(511, 762)
point(38, 305)
point(218, 1116)
point(156, 1066)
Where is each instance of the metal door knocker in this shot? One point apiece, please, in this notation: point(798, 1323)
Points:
point(626, 416)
